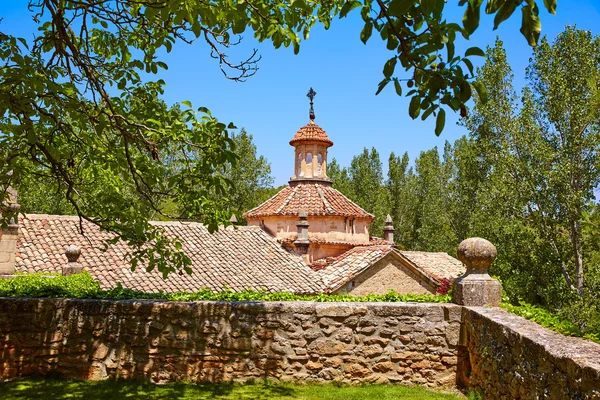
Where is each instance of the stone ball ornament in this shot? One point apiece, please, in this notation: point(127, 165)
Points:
point(72, 252)
point(477, 288)
point(477, 254)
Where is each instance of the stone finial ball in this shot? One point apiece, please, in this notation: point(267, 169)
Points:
point(477, 254)
point(73, 252)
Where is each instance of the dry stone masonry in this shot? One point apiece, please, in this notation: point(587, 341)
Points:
point(437, 345)
point(216, 341)
point(512, 358)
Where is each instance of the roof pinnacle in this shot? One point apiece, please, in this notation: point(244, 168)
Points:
point(311, 95)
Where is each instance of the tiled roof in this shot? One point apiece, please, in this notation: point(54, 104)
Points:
point(351, 264)
point(434, 266)
point(243, 258)
point(314, 198)
point(311, 132)
point(438, 265)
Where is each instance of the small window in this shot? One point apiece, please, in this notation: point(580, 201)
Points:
point(308, 158)
point(320, 164)
point(300, 172)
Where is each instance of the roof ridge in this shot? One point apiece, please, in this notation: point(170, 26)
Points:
point(344, 196)
point(287, 201)
point(327, 205)
point(263, 203)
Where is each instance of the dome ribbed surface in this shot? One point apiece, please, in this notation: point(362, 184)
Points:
point(314, 198)
point(311, 132)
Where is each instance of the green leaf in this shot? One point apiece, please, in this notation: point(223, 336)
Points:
point(440, 122)
point(507, 9)
point(349, 6)
point(550, 6)
point(415, 107)
point(388, 68)
point(493, 6)
point(381, 85)
point(398, 8)
point(471, 18)
point(427, 112)
point(465, 91)
point(531, 25)
point(398, 87)
point(469, 65)
point(187, 103)
point(474, 51)
point(366, 32)
point(450, 48)
point(196, 28)
point(481, 91)
point(434, 7)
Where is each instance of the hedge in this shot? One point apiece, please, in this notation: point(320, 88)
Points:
point(83, 286)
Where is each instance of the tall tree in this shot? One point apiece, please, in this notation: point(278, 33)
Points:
point(402, 199)
point(340, 176)
point(249, 177)
point(565, 87)
point(366, 172)
point(434, 232)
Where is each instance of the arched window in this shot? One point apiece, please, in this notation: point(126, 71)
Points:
point(308, 158)
point(300, 171)
point(320, 164)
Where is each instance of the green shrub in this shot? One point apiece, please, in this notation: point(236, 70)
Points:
point(50, 285)
point(84, 286)
point(549, 320)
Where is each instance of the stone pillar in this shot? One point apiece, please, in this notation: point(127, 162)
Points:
point(72, 266)
point(301, 243)
point(8, 241)
point(388, 230)
point(477, 288)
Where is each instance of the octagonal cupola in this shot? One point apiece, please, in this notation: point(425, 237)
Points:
point(310, 155)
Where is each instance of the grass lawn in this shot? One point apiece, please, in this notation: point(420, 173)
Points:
point(108, 390)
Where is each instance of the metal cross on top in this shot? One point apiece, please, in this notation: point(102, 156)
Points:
point(311, 95)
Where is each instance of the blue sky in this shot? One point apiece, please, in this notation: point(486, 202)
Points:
point(272, 105)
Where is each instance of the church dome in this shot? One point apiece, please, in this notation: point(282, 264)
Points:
point(311, 132)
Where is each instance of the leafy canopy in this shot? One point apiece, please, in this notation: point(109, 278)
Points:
point(78, 104)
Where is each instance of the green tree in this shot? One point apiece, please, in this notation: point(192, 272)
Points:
point(249, 177)
point(340, 176)
point(565, 103)
point(366, 176)
point(433, 227)
point(402, 199)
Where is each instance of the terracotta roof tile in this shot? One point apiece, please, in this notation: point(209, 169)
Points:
point(438, 265)
point(314, 198)
point(244, 258)
point(311, 132)
point(350, 264)
point(335, 273)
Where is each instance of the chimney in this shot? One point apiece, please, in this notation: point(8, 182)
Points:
point(302, 243)
point(233, 220)
point(388, 230)
point(9, 234)
point(72, 266)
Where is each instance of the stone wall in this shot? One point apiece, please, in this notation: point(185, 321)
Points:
point(512, 358)
point(486, 349)
point(217, 341)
